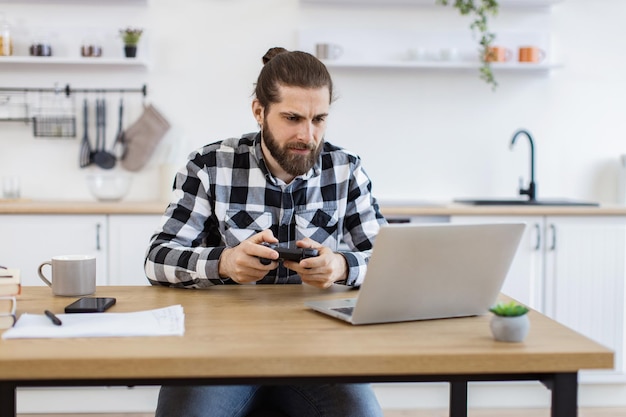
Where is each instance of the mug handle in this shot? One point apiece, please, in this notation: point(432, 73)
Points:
point(542, 55)
point(41, 275)
point(508, 54)
point(337, 51)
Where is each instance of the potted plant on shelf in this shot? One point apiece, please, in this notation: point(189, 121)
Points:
point(510, 322)
point(130, 37)
point(479, 10)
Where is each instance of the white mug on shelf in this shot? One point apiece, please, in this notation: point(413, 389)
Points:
point(328, 51)
point(417, 54)
point(448, 54)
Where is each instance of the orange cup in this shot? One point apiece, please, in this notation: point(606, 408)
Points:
point(531, 54)
point(498, 54)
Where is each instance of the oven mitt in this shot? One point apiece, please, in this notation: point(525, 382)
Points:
point(142, 138)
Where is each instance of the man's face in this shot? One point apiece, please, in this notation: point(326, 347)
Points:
point(293, 130)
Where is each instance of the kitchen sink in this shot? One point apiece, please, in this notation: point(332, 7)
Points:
point(524, 202)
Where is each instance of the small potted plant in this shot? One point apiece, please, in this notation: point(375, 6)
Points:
point(510, 322)
point(130, 37)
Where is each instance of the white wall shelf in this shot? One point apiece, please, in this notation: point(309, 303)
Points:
point(514, 67)
point(423, 50)
point(503, 3)
point(33, 60)
point(108, 2)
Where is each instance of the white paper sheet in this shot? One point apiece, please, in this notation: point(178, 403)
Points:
point(167, 321)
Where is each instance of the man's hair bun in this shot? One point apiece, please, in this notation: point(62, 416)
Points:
point(272, 52)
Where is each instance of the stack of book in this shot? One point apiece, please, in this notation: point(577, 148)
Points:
point(10, 287)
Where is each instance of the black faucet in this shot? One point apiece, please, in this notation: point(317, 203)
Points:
point(532, 187)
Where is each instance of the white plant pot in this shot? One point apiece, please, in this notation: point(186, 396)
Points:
point(510, 329)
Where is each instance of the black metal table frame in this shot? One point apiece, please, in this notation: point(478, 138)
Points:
point(564, 386)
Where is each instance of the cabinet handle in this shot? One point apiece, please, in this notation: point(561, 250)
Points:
point(553, 229)
point(538, 230)
point(98, 225)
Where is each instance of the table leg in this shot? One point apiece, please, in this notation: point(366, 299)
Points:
point(565, 395)
point(458, 398)
point(7, 399)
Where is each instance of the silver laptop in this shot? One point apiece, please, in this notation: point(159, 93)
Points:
point(430, 271)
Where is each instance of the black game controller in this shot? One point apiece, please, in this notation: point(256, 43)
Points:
point(289, 254)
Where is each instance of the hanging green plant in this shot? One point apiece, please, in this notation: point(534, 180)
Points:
point(479, 11)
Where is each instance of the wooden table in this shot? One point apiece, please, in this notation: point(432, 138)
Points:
point(265, 334)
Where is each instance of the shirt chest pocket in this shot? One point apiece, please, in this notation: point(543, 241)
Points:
point(239, 225)
point(321, 225)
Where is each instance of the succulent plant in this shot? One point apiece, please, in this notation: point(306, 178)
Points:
point(131, 36)
point(510, 309)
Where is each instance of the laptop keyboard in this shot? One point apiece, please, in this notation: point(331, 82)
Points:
point(345, 310)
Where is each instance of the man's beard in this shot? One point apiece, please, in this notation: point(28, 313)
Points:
point(293, 164)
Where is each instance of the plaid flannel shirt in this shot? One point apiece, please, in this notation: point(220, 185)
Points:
point(226, 194)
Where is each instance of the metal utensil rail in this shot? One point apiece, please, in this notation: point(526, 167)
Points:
point(69, 91)
point(53, 117)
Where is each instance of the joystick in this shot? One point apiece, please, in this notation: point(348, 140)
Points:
point(289, 253)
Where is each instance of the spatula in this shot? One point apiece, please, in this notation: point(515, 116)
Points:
point(102, 157)
point(85, 145)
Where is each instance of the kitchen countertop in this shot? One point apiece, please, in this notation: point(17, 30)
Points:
point(25, 206)
point(402, 209)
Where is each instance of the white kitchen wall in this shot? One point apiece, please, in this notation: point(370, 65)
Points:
point(423, 134)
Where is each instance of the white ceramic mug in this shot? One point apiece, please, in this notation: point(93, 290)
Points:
point(72, 275)
point(417, 54)
point(448, 54)
point(328, 51)
point(11, 187)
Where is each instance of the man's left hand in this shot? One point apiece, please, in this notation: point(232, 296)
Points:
point(321, 271)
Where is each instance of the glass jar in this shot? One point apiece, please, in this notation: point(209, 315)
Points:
point(6, 41)
point(91, 47)
point(40, 48)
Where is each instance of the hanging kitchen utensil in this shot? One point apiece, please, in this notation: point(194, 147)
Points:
point(119, 137)
point(54, 116)
point(85, 145)
point(102, 157)
point(142, 138)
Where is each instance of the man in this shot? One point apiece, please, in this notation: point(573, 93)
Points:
point(283, 185)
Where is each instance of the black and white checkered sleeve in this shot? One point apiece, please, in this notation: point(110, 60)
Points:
point(362, 223)
point(183, 252)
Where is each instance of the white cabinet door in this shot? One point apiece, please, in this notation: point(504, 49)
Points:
point(585, 274)
point(573, 269)
point(524, 282)
point(129, 236)
point(29, 240)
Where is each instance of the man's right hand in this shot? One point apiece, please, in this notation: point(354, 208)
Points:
point(242, 263)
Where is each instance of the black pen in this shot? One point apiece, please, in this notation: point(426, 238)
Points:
point(52, 317)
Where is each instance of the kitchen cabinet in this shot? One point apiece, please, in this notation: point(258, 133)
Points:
point(129, 236)
point(29, 240)
point(119, 243)
point(573, 269)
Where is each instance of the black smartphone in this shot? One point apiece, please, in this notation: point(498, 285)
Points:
point(90, 305)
